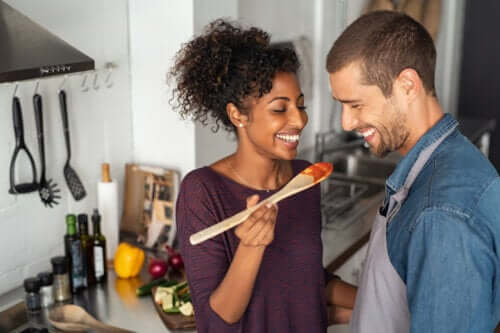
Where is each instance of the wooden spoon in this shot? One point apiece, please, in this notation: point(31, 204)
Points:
point(307, 178)
point(74, 318)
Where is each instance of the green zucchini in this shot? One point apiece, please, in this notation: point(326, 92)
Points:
point(145, 289)
point(173, 310)
point(180, 286)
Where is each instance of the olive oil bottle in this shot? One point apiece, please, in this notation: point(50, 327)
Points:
point(74, 254)
point(99, 247)
point(87, 249)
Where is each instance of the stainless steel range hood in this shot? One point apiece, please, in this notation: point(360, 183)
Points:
point(28, 51)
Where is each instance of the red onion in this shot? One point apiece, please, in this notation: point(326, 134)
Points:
point(157, 268)
point(175, 261)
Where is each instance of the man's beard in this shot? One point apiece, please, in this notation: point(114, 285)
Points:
point(394, 136)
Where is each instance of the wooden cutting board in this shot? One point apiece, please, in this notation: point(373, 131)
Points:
point(171, 320)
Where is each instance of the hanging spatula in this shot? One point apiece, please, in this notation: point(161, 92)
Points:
point(307, 178)
point(74, 183)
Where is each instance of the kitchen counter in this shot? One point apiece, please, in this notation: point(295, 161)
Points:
point(113, 303)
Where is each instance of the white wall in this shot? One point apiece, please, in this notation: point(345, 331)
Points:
point(157, 30)
point(100, 125)
point(211, 146)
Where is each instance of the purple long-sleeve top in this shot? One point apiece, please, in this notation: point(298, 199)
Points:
point(289, 291)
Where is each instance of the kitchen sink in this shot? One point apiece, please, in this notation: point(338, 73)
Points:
point(356, 180)
point(364, 168)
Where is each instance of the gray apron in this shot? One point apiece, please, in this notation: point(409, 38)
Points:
point(381, 304)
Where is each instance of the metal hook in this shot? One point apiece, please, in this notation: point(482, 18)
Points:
point(63, 82)
point(96, 84)
point(15, 90)
point(37, 84)
point(84, 86)
point(107, 81)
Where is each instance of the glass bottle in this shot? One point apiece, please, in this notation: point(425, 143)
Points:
point(32, 287)
point(87, 249)
point(60, 270)
point(78, 279)
point(46, 289)
point(99, 246)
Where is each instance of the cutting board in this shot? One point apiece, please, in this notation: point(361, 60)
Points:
point(173, 321)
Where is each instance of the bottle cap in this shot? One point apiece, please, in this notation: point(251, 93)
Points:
point(95, 216)
point(83, 224)
point(59, 265)
point(32, 285)
point(46, 279)
point(71, 219)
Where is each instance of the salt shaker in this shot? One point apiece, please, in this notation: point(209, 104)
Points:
point(46, 289)
point(62, 291)
point(32, 287)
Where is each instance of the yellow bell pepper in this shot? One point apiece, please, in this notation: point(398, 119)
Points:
point(128, 261)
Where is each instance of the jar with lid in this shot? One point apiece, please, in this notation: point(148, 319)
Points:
point(32, 288)
point(61, 286)
point(46, 289)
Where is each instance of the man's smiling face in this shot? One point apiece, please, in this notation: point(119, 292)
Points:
point(366, 110)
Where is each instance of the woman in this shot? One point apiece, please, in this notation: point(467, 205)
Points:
point(265, 275)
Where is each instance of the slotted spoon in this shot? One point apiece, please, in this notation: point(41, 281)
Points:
point(74, 183)
point(307, 178)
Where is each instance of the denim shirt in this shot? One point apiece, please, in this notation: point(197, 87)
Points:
point(445, 240)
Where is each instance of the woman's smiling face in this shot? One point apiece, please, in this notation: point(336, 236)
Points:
point(275, 121)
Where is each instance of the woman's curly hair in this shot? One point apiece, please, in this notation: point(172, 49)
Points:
point(225, 64)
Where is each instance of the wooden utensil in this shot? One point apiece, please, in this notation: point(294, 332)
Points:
point(74, 318)
point(307, 178)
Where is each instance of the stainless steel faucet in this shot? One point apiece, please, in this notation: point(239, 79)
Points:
point(332, 141)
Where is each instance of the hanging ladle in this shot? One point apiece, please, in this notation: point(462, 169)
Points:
point(47, 190)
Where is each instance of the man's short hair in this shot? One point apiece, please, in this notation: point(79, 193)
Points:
point(385, 43)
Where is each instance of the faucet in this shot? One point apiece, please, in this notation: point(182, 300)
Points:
point(332, 141)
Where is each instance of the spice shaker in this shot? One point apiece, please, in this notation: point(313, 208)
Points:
point(31, 287)
point(62, 291)
point(46, 289)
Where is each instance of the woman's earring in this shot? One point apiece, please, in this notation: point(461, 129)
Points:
point(241, 125)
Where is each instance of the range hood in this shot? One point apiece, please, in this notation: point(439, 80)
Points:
point(29, 51)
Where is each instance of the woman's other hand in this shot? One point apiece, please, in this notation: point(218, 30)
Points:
point(258, 229)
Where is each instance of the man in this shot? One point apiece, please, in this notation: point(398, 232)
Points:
point(433, 259)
